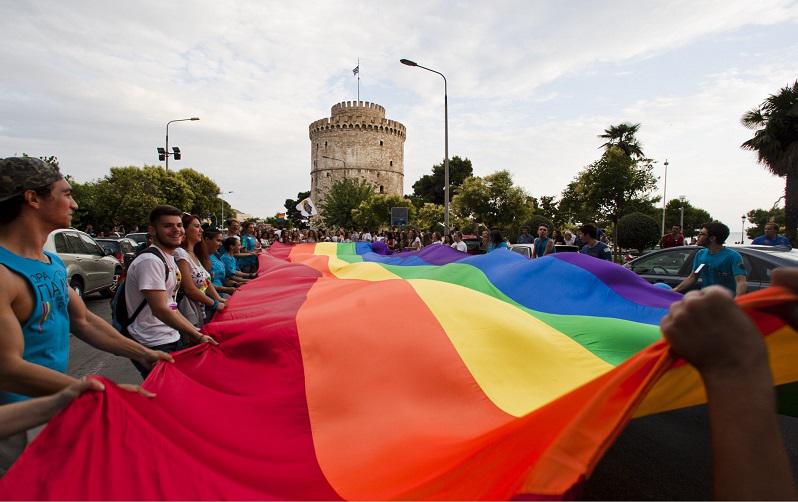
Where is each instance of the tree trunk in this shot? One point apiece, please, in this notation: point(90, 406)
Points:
point(791, 205)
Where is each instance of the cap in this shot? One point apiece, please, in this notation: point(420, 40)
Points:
point(18, 174)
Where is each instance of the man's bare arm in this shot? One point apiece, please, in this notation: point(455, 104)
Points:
point(742, 285)
point(687, 283)
point(157, 300)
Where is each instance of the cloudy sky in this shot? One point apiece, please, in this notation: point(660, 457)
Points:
point(531, 85)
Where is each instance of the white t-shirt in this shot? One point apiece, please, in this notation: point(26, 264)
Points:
point(199, 275)
point(366, 237)
point(147, 273)
point(460, 246)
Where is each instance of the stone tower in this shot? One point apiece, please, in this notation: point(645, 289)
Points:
point(357, 141)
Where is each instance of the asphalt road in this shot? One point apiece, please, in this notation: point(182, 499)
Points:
point(661, 457)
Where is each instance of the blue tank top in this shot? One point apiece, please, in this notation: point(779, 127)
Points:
point(540, 246)
point(46, 331)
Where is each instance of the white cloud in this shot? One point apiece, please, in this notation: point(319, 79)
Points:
point(96, 82)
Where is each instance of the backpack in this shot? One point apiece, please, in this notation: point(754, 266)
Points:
point(119, 315)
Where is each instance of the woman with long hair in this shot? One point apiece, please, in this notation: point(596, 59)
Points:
point(414, 240)
point(199, 294)
point(496, 241)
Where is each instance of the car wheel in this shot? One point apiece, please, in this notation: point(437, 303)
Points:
point(110, 290)
point(77, 284)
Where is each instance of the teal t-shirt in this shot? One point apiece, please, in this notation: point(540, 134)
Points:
point(46, 331)
point(720, 268)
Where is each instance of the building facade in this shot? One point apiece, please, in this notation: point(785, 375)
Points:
point(356, 141)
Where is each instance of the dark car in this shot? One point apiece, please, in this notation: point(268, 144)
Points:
point(140, 238)
point(123, 248)
point(672, 265)
point(473, 244)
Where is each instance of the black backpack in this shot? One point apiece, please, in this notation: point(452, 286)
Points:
point(119, 316)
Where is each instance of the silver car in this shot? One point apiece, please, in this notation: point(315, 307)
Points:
point(89, 266)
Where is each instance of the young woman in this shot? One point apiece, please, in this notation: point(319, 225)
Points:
point(496, 241)
point(447, 240)
point(212, 241)
point(414, 240)
point(199, 294)
point(231, 248)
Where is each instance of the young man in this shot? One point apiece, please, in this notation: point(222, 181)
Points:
point(525, 237)
point(542, 245)
point(37, 308)
point(673, 239)
point(458, 242)
point(592, 246)
point(149, 282)
point(721, 265)
point(772, 237)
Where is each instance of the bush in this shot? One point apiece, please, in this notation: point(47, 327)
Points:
point(638, 231)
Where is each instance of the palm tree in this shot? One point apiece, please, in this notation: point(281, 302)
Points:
point(623, 136)
point(775, 141)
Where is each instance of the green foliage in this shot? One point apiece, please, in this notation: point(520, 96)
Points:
point(292, 215)
point(536, 221)
point(430, 217)
point(638, 231)
point(375, 212)
point(127, 195)
point(623, 136)
point(430, 186)
point(758, 217)
point(775, 125)
point(345, 196)
point(493, 201)
point(694, 217)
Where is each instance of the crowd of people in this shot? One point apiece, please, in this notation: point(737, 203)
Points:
point(189, 272)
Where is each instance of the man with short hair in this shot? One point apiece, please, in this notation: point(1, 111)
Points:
point(772, 237)
point(673, 239)
point(542, 245)
point(721, 265)
point(593, 246)
point(458, 242)
point(37, 307)
point(525, 237)
point(151, 289)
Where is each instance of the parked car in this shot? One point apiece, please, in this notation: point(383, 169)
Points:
point(89, 266)
point(672, 265)
point(472, 243)
point(123, 249)
point(526, 249)
point(140, 238)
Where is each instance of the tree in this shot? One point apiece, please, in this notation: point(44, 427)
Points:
point(430, 217)
point(344, 196)
point(292, 214)
point(430, 186)
point(623, 137)
point(375, 212)
point(493, 201)
point(694, 217)
point(205, 199)
point(775, 141)
point(609, 188)
point(638, 231)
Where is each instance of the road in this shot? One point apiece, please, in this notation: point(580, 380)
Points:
point(661, 457)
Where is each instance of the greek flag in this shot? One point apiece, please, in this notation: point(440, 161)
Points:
point(356, 70)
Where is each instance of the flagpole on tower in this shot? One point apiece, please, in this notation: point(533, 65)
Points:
point(356, 71)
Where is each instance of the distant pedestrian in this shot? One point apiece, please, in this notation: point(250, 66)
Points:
point(497, 241)
point(673, 239)
point(525, 237)
point(772, 237)
point(592, 246)
point(543, 245)
point(458, 242)
point(718, 264)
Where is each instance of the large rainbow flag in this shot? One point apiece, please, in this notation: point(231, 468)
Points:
point(344, 374)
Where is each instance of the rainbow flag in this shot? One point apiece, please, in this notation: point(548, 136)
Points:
point(344, 374)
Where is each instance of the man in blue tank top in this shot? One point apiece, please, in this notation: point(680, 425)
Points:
point(543, 245)
point(37, 308)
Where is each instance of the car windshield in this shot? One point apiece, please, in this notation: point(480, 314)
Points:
point(139, 238)
point(112, 246)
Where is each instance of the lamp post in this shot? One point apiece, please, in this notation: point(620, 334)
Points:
point(742, 234)
point(445, 141)
point(339, 160)
point(664, 196)
point(682, 199)
point(166, 153)
point(223, 193)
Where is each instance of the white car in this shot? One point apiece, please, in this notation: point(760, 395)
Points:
point(89, 266)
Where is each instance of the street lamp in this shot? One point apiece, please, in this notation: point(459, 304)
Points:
point(682, 199)
point(220, 198)
point(164, 153)
point(664, 196)
point(445, 140)
point(742, 234)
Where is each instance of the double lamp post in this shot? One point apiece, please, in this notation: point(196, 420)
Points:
point(164, 153)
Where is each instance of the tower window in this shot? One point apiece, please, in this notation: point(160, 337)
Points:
point(381, 143)
point(391, 163)
point(382, 189)
point(325, 144)
point(328, 174)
